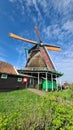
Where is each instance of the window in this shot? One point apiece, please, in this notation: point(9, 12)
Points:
point(19, 80)
point(4, 76)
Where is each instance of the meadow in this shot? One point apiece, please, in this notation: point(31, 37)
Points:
point(24, 110)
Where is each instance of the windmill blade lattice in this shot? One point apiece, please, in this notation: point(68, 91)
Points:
point(49, 47)
point(52, 48)
point(21, 38)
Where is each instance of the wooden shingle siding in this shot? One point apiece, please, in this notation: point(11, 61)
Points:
point(47, 59)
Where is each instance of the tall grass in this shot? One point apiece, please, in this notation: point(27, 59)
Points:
point(24, 110)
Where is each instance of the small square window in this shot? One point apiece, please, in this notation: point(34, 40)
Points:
point(19, 80)
point(4, 76)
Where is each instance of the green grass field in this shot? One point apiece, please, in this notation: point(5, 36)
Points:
point(24, 110)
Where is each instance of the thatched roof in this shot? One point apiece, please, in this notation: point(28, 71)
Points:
point(38, 57)
point(36, 61)
point(7, 68)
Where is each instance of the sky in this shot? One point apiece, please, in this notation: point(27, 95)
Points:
point(54, 19)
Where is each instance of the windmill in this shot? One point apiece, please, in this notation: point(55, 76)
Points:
point(37, 55)
point(39, 59)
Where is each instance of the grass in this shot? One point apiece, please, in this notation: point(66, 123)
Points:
point(16, 107)
point(24, 110)
point(12, 101)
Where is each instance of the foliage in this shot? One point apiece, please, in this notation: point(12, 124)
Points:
point(24, 110)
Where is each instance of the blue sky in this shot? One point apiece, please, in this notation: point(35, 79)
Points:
point(54, 19)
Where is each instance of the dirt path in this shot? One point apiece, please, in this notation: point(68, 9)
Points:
point(39, 92)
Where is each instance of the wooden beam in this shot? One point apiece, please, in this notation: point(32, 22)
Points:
point(46, 83)
point(52, 81)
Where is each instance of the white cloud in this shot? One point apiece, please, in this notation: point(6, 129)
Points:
point(22, 8)
point(63, 5)
point(61, 33)
point(19, 5)
point(68, 26)
point(52, 30)
point(44, 4)
point(34, 3)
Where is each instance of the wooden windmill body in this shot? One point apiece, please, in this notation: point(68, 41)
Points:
point(39, 58)
point(39, 62)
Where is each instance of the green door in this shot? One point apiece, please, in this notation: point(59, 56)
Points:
point(49, 84)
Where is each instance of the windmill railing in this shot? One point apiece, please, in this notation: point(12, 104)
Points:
point(40, 69)
point(36, 68)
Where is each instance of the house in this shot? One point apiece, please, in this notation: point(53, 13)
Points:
point(10, 79)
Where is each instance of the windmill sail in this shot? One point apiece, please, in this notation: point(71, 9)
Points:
point(38, 56)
